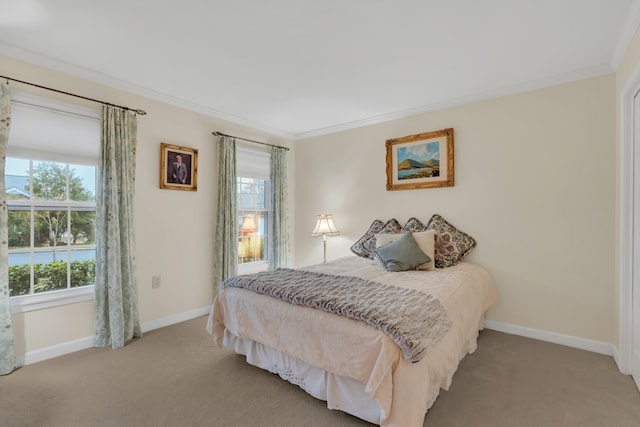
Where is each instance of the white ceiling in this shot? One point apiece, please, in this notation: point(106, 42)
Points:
point(298, 68)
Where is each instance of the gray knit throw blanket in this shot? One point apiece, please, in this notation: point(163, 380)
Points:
point(414, 320)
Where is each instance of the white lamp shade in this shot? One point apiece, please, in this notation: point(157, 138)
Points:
point(324, 226)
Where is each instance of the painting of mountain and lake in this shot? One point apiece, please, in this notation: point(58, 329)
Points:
point(420, 161)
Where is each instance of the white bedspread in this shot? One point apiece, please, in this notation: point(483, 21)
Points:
point(352, 349)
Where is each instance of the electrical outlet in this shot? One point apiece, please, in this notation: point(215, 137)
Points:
point(155, 282)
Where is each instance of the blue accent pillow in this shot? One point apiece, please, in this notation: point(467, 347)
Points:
point(402, 255)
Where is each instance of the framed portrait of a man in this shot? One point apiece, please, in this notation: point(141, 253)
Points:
point(178, 167)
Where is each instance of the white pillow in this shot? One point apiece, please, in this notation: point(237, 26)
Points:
point(426, 240)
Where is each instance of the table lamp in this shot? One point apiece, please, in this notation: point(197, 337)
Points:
point(324, 227)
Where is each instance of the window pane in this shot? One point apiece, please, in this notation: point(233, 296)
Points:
point(82, 183)
point(19, 260)
point(17, 178)
point(49, 181)
point(83, 267)
point(19, 229)
point(19, 274)
point(245, 186)
point(82, 228)
point(50, 228)
point(51, 276)
point(252, 237)
point(245, 201)
point(251, 193)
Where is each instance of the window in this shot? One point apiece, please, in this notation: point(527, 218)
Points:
point(253, 220)
point(51, 227)
point(254, 210)
point(50, 175)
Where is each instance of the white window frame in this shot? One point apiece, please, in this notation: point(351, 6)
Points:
point(255, 169)
point(55, 298)
point(262, 265)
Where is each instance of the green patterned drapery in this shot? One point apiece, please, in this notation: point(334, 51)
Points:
point(281, 254)
point(7, 349)
point(116, 313)
point(226, 244)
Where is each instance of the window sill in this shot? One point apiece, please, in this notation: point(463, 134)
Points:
point(253, 267)
point(26, 303)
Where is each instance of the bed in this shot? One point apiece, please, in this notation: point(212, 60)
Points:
point(352, 365)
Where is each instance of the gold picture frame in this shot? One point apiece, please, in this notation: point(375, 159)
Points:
point(424, 160)
point(178, 167)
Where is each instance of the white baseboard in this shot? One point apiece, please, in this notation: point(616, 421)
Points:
point(174, 318)
point(553, 337)
point(616, 358)
point(45, 353)
point(61, 349)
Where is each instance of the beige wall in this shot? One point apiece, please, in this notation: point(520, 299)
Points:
point(535, 185)
point(174, 229)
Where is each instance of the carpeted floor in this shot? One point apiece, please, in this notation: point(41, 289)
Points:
point(175, 376)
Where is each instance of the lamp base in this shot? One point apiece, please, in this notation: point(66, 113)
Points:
point(324, 241)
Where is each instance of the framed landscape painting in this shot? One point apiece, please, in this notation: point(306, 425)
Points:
point(423, 160)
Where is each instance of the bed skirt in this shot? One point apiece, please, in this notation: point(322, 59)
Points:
point(341, 393)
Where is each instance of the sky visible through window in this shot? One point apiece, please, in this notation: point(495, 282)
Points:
point(20, 167)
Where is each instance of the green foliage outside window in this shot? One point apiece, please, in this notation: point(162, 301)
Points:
point(50, 277)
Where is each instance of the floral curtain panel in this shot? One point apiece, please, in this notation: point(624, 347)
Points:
point(226, 244)
point(281, 256)
point(7, 349)
point(116, 316)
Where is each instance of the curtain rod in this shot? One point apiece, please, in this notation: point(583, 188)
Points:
point(216, 133)
point(137, 111)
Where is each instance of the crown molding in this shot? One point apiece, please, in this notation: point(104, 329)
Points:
point(80, 72)
point(479, 97)
point(97, 77)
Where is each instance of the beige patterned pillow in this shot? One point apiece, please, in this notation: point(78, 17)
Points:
point(413, 225)
point(358, 247)
point(452, 245)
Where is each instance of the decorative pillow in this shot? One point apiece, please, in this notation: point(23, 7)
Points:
point(358, 247)
point(391, 226)
point(426, 242)
point(402, 255)
point(413, 225)
point(452, 245)
point(383, 239)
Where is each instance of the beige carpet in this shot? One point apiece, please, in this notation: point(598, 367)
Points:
point(175, 376)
